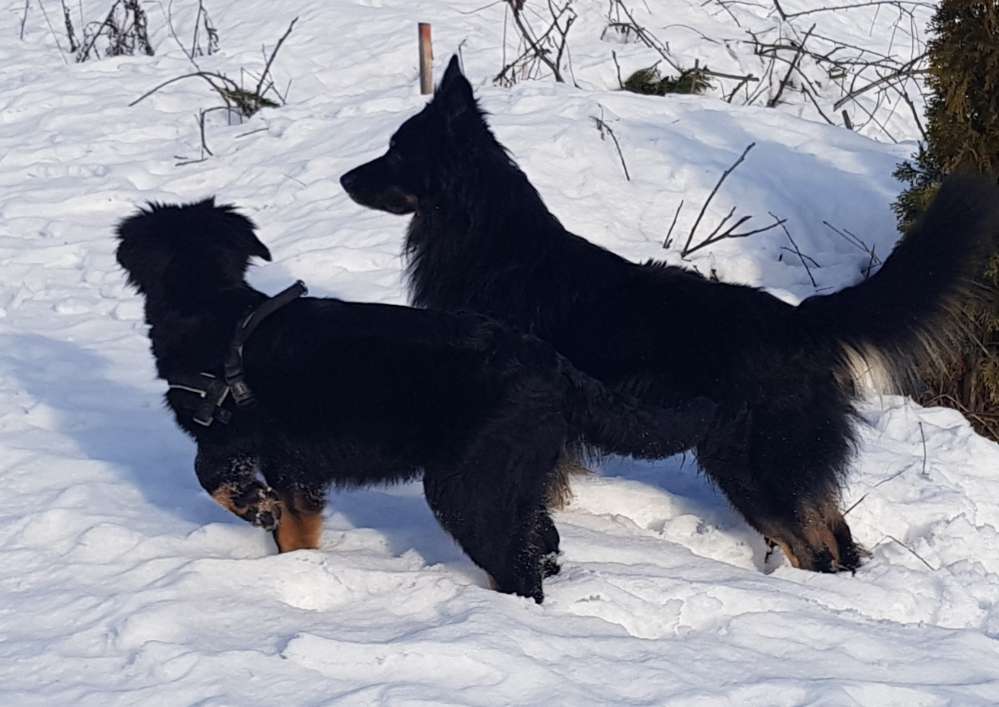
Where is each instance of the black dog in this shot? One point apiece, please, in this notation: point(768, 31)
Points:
point(350, 394)
point(482, 239)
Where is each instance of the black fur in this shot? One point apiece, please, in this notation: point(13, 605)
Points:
point(351, 394)
point(481, 238)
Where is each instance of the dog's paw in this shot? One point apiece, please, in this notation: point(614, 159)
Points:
point(259, 505)
point(525, 579)
point(549, 565)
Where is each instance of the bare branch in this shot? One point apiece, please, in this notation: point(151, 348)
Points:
point(602, 126)
point(24, 18)
point(870, 3)
point(797, 251)
point(668, 241)
point(539, 49)
point(794, 65)
point(907, 70)
point(270, 59)
point(731, 234)
point(704, 207)
point(620, 82)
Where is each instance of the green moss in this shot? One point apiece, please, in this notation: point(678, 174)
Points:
point(650, 82)
point(248, 102)
point(962, 135)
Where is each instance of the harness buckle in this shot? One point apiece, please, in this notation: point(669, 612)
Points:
point(213, 391)
point(241, 392)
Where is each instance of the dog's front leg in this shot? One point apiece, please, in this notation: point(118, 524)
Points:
point(229, 475)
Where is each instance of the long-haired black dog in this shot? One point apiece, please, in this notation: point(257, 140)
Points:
point(349, 394)
point(481, 238)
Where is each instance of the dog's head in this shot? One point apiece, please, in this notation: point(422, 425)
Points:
point(411, 169)
point(168, 248)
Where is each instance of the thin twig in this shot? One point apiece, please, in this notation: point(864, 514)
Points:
point(650, 40)
point(24, 18)
point(270, 60)
point(880, 483)
point(108, 22)
point(168, 13)
point(617, 66)
point(907, 70)
point(534, 45)
point(724, 220)
point(870, 3)
point(794, 65)
point(743, 82)
point(915, 113)
point(183, 163)
point(206, 75)
point(730, 234)
point(911, 551)
point(52, 31)
point(668, 241)
point(806, 256)
point(251, 132)
point(922, 435)
point(893, 476)
point(201, 125)
point(197, 28)
point(539, 53)
point(858, 243)
point(704, 207)
point(601, 126)
point(70, 32)
point(797, 250)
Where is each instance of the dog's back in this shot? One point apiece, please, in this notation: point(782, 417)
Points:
point(482, 238)
point(353, 394)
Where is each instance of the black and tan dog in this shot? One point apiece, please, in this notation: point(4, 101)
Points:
point(348, 394)
point(481, 238)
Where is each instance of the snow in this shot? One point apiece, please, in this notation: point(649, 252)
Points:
point(121, 582)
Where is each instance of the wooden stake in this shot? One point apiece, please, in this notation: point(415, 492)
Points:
point(426, 59)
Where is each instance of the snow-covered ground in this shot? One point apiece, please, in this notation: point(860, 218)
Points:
point(120, 580)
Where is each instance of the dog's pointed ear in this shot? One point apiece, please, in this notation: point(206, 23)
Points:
point(253, 245)
point(452, 72)
point(260, 250)
point(243, 233)
point(454, 93)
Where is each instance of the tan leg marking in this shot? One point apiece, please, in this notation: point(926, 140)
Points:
point(299, 529)
point(816, 532)
point(559, 492)
point(786, 549)
point(818, 524)
point(223, 497)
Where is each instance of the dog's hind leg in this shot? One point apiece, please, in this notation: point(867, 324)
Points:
point(783, 477)
point(811, 532)
point(229, 475)
point(816, 537)
point(301, 524)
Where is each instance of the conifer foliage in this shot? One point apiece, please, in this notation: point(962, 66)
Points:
point(962, 135)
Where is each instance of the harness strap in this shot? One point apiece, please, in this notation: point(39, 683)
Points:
point(235, 376)
point(213, 391)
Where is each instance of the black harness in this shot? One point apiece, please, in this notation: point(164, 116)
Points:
point(214, 391)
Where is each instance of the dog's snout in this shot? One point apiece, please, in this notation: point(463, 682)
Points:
point(349, 180)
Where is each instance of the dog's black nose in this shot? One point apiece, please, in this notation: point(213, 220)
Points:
point(348, 180)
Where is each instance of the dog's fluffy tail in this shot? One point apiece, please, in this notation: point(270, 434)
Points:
point(616, 423)
point(910, 312)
